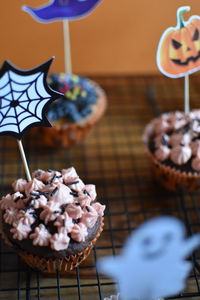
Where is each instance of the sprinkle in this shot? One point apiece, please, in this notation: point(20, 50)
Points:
point(73, 182)
point(54, 191)
point(86, 192)
point(35, 195)
point(87, 208)
point(17, 199)
point(164, 140)
point(74, 194)
point(43, 193)
point(50, 170)
point(52, 180)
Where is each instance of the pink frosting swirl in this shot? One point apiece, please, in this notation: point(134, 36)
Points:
point(19, 185)
point(84, 199)
point(64, 221)
point(20, 231)
point(7, 202)
point(69, 175)
point(62, 195)
point(79, 232)
point(162, 153)
point(76, 185)
point(74, 211)
point(99, 208)
point(34, 185)
point(18, 202)
point(179, 138)
point(161, 126)
point(26, 217)
point(195, 146)
point(196, 163)
point(91, 189)
point(41, 236)
point(10, 215)
point(50, 212)
point(181, 154)
point(89, 216)
point(39, 202)
point(60, 240)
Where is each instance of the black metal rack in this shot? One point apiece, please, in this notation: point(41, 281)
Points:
point(113, 158)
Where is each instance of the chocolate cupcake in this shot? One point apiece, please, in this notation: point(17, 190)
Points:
point(52, 221)
point(173, 144)
point(75, 113)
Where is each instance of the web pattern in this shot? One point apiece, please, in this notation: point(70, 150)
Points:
point(22, 99)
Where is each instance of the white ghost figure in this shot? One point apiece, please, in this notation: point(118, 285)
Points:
point(153, 262)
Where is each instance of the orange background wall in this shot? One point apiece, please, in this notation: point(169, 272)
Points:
point(120, 36)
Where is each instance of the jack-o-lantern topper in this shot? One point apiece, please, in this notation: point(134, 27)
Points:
point(178, 51)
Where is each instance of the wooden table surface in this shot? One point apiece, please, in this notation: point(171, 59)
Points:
point(113, 158)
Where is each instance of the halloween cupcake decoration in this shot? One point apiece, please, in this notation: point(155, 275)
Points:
point(52, 221)
point(178, 51)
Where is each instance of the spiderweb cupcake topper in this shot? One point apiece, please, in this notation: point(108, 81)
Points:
point(178, 53)
point(24, 96)
point(63, 10)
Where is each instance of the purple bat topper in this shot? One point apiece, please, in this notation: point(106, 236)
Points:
point(58, 10)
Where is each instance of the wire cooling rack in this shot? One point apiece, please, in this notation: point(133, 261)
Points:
point(113, 158)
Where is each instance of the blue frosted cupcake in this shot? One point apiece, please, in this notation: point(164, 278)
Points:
point(74, 114)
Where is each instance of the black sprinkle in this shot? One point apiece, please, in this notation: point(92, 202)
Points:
point(50, 170)
point(86, 192)
point(182, 144)
point(27, 207)
point(186, 128)
point(17, 199)
point(56, 211)
point(75, 221)
point(87, 208)
point(53, 178)
point(73, 182)
point(63, 207)
point(164, 140)
point(58, 176)
point(74, 194)
point(78, 204)
point(54, 191)
point(43, 193)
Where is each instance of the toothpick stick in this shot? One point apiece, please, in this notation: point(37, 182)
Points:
point(21, 149)
point(186, 94)
point(67, 47)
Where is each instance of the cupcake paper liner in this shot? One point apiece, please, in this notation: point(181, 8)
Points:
point(65, 134)
point(173, 179)
point(50, 265)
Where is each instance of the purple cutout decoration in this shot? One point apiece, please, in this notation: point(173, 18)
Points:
point(24, 96)
point(58, 10)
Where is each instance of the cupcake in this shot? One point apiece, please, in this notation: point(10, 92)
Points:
point(173, 145)
point(53, 221)
point(75, 113)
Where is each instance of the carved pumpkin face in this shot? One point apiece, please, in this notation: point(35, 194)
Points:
point(179, 48)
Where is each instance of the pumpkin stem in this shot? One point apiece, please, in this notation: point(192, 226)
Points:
point(180, 11)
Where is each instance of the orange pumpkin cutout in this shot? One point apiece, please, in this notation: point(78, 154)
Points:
point(178, 51)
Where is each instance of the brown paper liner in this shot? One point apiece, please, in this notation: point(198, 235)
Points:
point(173, 179)
point(63, 134)
point(58, 264)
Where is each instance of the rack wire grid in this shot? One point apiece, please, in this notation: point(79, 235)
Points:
point(113, 158)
